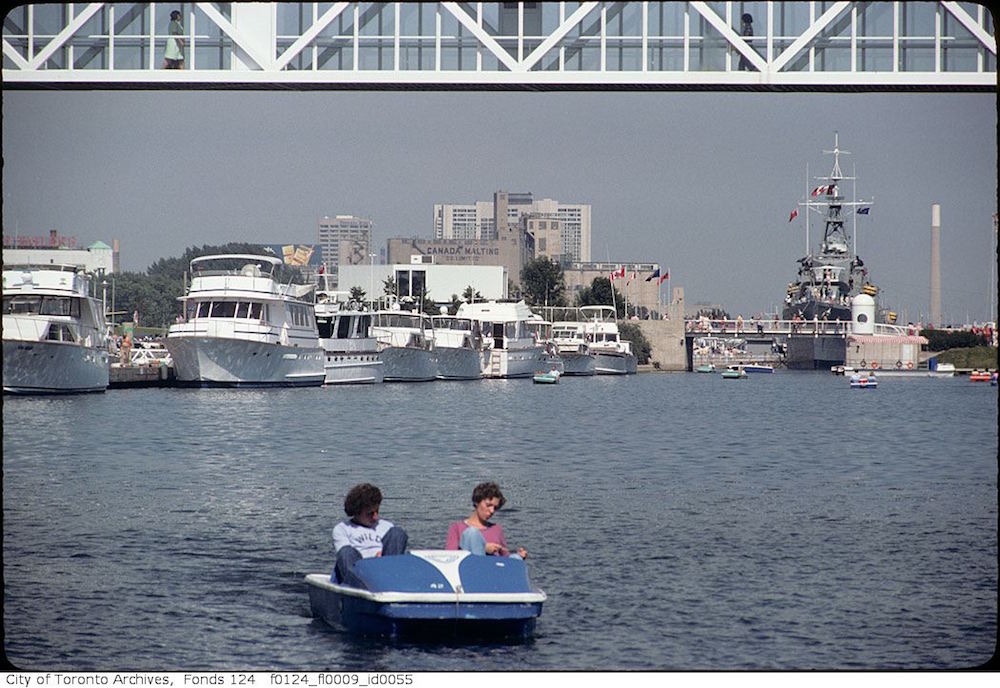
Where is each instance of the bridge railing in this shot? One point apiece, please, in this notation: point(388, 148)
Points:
point(771, 326)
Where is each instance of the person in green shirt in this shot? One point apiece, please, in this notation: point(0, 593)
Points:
point(173, 56)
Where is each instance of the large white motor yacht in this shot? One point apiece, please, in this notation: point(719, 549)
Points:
point(54, 332)
point(614, 355)
point(459, 348)
point(351, 353)
point(405, 345)
point(571, 343)
point(514, 352)
point(242, 327)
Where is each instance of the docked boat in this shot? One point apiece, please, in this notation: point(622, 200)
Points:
point(431, 594)
point(459, 348)
point(864, 381)
point(54, 333)
point(541, 330)
point(350, 353)
point(244, 328)
point(405, 342)
point(758, 368)
point(547, 377)
point(734, 372)
point(570, 342)
point(828, 279)
point(514, 352)
point(705, 368)
point(613, 355)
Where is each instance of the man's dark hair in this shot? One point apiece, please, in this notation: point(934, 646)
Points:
point(361, 497)
point(487, 491)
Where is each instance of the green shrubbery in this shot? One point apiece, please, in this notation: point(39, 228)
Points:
point(942, 340)
point(971, 357)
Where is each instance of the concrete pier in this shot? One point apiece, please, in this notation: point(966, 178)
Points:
point(141, 376)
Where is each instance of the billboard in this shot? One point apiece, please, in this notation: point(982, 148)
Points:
point(296, 255)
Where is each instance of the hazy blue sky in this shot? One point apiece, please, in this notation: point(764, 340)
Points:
point(700, 182)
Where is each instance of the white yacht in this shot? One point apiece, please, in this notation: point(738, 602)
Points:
point(459, 348)
point(54, 333)
point(541, 330)
point(614, 355)
point(571, 343)
point(405, 342)
point(513, 349)
point(243, 328)
point(350, 352)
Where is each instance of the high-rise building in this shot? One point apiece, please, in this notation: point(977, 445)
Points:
point(345, 239)
point(479, 220)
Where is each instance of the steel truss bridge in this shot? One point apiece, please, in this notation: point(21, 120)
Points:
point(812, 46)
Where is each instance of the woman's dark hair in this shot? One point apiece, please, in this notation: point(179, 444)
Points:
point(488, 491)
point(747, 19)
point(176, 14)
point(362, 497)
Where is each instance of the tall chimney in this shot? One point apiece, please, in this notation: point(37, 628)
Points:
point(936, 264)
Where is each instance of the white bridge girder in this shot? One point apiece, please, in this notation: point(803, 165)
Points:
point(684, 45)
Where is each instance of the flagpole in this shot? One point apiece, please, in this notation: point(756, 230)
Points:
point(808, 208)
point(854, 203)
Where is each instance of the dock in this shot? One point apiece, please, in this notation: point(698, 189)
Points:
point(131, 376)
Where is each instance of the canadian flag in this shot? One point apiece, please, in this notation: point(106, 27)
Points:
point(794, 214)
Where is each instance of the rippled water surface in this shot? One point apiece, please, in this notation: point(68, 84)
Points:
point(676, 521)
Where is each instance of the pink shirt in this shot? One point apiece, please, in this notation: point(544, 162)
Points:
point(493, 533)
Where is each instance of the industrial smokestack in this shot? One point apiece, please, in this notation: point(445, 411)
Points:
point(936, 264)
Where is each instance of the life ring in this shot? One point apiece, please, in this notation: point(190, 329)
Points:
point(909, 365)
point(874, 365)
point(899, 364)
point(862, 364)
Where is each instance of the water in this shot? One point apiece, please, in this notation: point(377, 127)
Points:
point(676, 521)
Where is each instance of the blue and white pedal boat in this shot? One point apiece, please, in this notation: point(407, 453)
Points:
point(431, 593)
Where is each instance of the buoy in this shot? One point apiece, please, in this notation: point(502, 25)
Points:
point(909, 364)
point(874, 365)
point(899, 364)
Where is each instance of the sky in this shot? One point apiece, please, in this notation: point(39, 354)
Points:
point(699, 182)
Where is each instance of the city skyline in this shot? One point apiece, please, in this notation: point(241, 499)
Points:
point(701, 183)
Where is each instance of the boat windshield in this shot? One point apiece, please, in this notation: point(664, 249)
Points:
point(461, 324)
point(32, 304)
point(399, 320)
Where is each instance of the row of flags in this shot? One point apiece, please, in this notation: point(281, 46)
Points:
point(619, 273)
point(864, 210)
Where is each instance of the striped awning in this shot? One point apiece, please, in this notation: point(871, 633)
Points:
point(886, 339)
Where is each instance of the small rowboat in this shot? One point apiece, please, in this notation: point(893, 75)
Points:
point(734, 373)
point(547, 378)
point(427, 594)
point(979, 376)
point(707, 368)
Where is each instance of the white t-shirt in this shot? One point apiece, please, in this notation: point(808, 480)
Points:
point(368, 541)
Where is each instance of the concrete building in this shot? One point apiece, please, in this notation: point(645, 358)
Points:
point(511, 250)
point(485, 220)
point(61, 250)
point(440, 281)
point(344, 239)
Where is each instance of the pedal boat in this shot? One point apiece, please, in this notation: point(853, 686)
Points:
point(431, 594)
point(864, 381)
